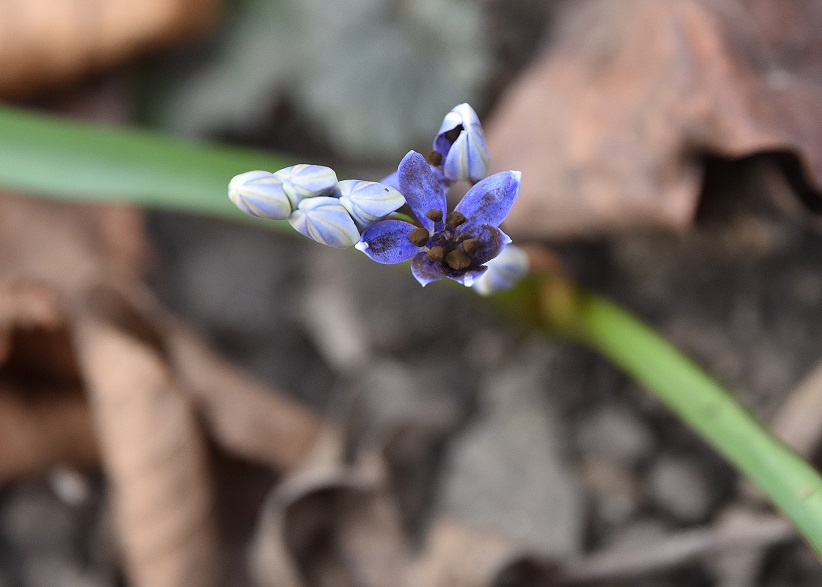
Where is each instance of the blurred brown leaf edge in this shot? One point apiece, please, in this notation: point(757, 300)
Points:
point(50, 42)
point(609, 125)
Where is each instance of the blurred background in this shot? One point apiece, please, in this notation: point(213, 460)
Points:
point(187, 401)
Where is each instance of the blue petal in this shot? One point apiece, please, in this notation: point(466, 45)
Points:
point(426, 271)
point(490, 200)
point(324, 220)
point(492, 240)
point(387, 242)
point(260, 194)
point(466, 158)
point(504, 271)
point(306, 181)
point(367, 201)
point(422, 187)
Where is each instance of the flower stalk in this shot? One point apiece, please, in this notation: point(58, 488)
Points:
point(789, 481)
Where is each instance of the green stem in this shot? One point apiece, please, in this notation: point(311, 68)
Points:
point(790, 482)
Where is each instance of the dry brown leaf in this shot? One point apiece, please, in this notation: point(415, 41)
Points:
point(44, 420)
point(331, 523)
point(53, 258)
point(607, 126)
point(245, 417)
point(335, 521)
point(41, 429)
point(48, 42)
point(798, 423)
point(155, 457)
point(459, 556)
point(70, 247)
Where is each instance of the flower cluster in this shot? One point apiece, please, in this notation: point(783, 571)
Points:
point(465, 245)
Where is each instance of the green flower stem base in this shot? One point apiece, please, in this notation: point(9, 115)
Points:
point(790, 482)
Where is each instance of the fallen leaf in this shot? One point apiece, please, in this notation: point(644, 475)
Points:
point(43, 428)
point(155, 457)
point(337, 519)
point(69, 247)
point(246, 417)
point(44, 419)
point(797, 422)
point(608, 125)
point(457, 555)
point(49, 42)
point(331, 522)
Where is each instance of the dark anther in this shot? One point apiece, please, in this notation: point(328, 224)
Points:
point(434, 214)
point(454, 218)
point(452, 134)
point(470, 245)
point(435, 254)
point(456, 259)
point(418, 236)
point(434, 158)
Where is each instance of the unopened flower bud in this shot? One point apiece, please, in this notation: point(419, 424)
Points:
point(504, 271)
point(323, 219)
point(306, 181)
point(259, 193)
point(367, 201)
point(461, 142)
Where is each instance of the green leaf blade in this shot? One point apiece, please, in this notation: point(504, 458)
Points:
point(77, 161)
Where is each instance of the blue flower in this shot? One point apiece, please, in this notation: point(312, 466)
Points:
point(455, 245)
point(461, 144)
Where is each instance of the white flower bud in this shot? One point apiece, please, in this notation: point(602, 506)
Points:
point(259, 193)
point(504, 271)
point(465, 157)
point(367, 201)
point(306, 181)
point(323, 219)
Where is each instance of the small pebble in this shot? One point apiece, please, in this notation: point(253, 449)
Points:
point(681, 486)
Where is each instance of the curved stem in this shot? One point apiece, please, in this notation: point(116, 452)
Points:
point(709, 409)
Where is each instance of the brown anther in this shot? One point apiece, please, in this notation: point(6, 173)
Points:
point(435, 254)
point(454, 219)
point(470, 245)
point(434, 158)
point(456, 259)
point(418, 236)
point(434, 214)
point(452, 134)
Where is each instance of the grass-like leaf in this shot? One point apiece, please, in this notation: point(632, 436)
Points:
point(67, 159)
point(791, 483)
